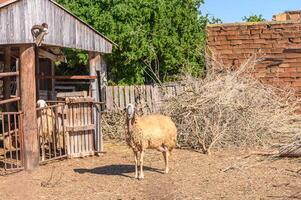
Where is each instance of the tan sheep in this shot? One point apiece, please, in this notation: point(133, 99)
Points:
point(149, 132)
point(49, 128)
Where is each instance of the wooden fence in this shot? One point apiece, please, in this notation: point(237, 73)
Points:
point(150, 96)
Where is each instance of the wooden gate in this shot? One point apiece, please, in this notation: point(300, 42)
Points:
point(69, 129)
point(11, 141)
point(81, 127)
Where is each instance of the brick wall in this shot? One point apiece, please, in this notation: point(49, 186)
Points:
point(278, 43)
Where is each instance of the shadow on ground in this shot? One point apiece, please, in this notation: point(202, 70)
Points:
point(119, 170)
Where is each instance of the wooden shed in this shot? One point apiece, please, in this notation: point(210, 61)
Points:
point(32, 35)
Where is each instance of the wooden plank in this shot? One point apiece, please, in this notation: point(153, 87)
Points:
point(156, 98)
point(80, 128)
point(10, 100)
point(72, 94)
point(6, 74)
point(55, 58)
point(91, 139)
point(86, 117)
point(149, 98)
point(116, 97)
point(75, 123)
point(77, 77)
point(127, 95)
point(103, 80)
point(95, 62)
point(28, 104)
point(80, 100)
point(132, 94)
point(109, 98)
point(121, 97)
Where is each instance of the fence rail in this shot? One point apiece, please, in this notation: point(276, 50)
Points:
point(151, 96)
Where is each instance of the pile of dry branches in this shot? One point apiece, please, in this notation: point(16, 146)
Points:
point(231, 108)
point(113, 125)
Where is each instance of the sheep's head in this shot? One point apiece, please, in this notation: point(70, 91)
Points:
point(130, 111)
point(41, 103)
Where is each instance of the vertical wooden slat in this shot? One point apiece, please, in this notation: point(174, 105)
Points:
point(16, 133)
point(132, 94)
point(109, 98)
point(86, 117)
point(5, 141)
point(10, 138)
point(72, 140)
point(75, 106)
point(54, 130)
point(121, 97)
point(116, 97)
point(127, 95)
point(149, 98)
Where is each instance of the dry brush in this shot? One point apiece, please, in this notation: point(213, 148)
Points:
point(230, 108)
point(227, 108)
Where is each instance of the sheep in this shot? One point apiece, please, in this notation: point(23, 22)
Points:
point(149, 132)
point(47, 126)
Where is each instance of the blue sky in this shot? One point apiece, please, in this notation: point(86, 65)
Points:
point(234, 10)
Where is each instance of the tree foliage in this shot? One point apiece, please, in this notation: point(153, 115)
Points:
point(157, 39)
point(253, 18)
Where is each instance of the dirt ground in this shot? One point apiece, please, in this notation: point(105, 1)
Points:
point(193, 176)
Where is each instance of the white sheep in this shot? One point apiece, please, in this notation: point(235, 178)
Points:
point(149, 132)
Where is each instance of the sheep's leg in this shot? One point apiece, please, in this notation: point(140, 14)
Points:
point(43, 150)
point(136, 164)
point(166, 155)
point(141, 174)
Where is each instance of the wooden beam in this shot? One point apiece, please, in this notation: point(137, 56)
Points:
point(94, 63)
point(10, 100)
point(37, 71)
point(69, 77)
point(103, 81)
point(28, 106)
point(46, 54)
point(18, 82)
point(7, 74)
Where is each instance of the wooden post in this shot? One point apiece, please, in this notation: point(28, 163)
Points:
point(103, 82)
point(95, 62)
point(28, 106)
point(53, 81)
point(37, 71)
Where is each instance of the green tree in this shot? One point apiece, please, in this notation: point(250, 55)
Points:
point(254, 18)
point(157, 39)
point(214, 20)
